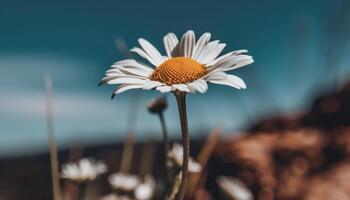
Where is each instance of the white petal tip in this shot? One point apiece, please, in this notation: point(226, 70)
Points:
point(134, 49)
point(141, 39)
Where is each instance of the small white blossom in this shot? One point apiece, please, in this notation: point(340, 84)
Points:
point(176, 156)
point(145, 190)
point(125, 182)
point(84, 170)
point(234, 188)
point(115, 197)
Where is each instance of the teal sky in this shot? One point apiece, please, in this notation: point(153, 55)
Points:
point(299, 49)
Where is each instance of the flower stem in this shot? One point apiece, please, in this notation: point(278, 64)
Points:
point(128, 150)
point(82, 190)
point(181, 102)
point(51, 141)
point(147, 158)
point(165, 145)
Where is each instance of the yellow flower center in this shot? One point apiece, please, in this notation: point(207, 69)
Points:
point(178, 70)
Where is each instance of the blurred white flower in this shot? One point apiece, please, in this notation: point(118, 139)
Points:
point(146, 189)
point(234, 188)
point(176, 157)
point(187, 67)
point(124, 182)
point(84, 170)
point(115, 197)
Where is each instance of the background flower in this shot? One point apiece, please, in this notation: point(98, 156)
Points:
point(176, 157)
point(234, 188)
point(125, 182)
point(84, 170)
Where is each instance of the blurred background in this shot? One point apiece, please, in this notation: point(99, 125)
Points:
point(300, 50)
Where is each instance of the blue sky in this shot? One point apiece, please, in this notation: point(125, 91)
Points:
point(74, 42)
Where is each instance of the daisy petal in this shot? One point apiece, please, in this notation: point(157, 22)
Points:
point(198, 85)
point(240, 51)
point(181, 87)
point(201, 43)
point(113, 71)
point(130, 67)
point(135, 72)
point(215, 75)
point(133, 63)
point(110, 78)
point(125, 87)
point(244, 62)
point(151, 84)
point(230, 80)
point(170, 43)
point(112, 75)
point(127, 80)
point(223, 57)
point(164, 88)
point(232, 62)
point(151, 51)
point(187, 44)
point(145, 55)
point(210, 52)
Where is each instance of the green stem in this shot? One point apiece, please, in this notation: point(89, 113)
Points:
point(181, 102)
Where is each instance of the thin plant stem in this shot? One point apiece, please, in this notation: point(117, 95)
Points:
point(181, 102)
point(76, 152)
point(147, 158)
point(132, 115)
point(174, 187)
point(202, 158)
point(128, 148)
point(51, 141)
point(197, 193)
point(165, 146)
point(92, 191)
point(129, 140)
point(132, 112)
point(82, 190)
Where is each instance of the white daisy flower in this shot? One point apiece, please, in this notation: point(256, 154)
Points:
point(187, 66)
point(124, 182)
point(234, 188)
point(146, 189)
point(176, 157)
point(84, 170)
